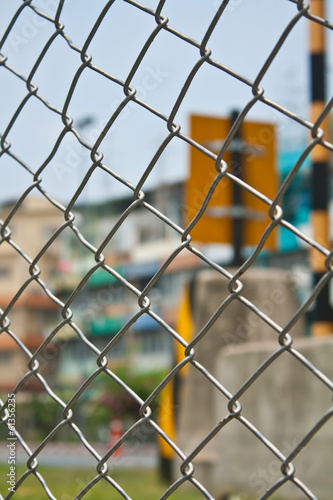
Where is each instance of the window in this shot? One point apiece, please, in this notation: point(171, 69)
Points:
point(155, 341)
point(4, 272)
point(5, 357)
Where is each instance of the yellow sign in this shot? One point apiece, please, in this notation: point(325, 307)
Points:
point(258, 170)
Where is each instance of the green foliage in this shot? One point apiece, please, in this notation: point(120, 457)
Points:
point(94, 409)
point(142, 383)
point(112, 399)
point(36, 418)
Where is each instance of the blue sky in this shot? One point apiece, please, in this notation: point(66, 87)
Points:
point(242, 41)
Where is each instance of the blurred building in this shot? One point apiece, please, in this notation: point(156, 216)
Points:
point(136, 251)
point(30, 315)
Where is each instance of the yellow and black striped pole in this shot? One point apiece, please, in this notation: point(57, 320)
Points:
point(322, 317)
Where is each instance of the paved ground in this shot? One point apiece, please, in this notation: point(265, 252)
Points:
point(73, 455)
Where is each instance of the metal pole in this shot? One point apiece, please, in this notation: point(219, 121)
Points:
point(237, 221)
point(322, 318)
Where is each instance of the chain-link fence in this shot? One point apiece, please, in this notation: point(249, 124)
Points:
point(42, 145)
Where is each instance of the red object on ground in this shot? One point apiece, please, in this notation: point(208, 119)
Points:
point(116, 432)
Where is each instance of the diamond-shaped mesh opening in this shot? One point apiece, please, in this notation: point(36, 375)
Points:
point(28, 26)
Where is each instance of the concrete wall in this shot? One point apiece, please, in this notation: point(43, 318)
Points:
point(283, 404)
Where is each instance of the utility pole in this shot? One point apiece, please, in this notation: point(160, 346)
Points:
point(322, 319)
point(237, 224)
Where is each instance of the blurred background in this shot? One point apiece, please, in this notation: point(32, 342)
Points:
point(240, 43)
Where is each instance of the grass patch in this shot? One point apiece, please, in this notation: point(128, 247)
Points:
point(66, 483)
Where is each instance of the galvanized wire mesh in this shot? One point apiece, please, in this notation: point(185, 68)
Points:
point(145, 306)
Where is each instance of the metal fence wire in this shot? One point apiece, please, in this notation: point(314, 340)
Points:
point(49, 14)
